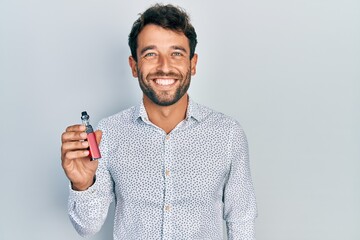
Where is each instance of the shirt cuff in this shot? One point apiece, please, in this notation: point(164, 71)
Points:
point(85, 195)
point(240, 230)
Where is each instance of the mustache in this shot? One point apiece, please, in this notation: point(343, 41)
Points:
point(161, 73)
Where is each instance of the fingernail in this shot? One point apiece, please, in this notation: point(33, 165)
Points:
point(86, 153)
point(85, 143)
point(83, 135)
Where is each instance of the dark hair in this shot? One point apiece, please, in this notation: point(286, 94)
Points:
point(166, 16)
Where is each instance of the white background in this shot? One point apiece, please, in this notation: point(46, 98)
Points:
point(288, 70)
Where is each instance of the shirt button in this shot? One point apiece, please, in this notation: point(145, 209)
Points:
point(167, 172)
point(167, 137)
point(167, 208)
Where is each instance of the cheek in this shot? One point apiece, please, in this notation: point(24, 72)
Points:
point(145, 67)
point(183, 66)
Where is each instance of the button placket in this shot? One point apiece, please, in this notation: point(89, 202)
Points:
point(168, 188)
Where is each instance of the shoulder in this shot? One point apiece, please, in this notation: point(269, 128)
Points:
point(223, 128)
point(218, 119)
point(117, 120)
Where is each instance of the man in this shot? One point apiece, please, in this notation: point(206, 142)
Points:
point(174, 168)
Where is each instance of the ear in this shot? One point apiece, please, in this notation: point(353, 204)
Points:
point(133, 66)
point(193, 64)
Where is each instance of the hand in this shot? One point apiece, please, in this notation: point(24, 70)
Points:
point(75, 158)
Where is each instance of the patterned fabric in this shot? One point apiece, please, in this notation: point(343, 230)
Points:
point(179, 185)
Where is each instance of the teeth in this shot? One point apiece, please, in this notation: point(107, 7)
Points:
point(164, 82)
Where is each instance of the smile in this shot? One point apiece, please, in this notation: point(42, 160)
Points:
point(164, 82)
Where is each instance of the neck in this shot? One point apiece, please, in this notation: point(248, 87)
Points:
point(166, 117)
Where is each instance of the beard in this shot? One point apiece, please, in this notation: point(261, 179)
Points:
point(164, 98)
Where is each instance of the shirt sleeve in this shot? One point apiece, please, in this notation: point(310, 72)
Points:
point(240, 208)
point(88, 209)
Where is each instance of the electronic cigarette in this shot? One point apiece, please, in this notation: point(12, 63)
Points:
point(93, 146)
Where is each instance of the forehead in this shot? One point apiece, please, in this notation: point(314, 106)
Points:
point(161, 38)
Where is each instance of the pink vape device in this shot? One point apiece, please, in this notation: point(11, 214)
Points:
point(93, 146)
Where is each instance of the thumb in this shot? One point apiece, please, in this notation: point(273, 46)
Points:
point(98, 135)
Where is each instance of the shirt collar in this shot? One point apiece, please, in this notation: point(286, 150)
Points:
point(140, 112)
point(194, 110)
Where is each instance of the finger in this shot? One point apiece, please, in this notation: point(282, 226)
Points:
point(73, 145)
point(72, 155)
point(98, 135)
point(73, 136)
point(76, 128)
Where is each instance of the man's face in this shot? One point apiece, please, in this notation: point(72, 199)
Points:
point(164, 67)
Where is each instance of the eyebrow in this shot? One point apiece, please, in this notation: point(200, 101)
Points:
point(147, 48)
point(179, 48)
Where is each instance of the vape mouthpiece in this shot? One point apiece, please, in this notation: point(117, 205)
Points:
point(84, 116)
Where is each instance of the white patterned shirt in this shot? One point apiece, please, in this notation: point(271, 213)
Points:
point(172, 186)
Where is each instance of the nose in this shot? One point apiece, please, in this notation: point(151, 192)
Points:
point(163, 63)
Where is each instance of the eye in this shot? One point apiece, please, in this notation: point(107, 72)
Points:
point(150, 54)
point(177, 54)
